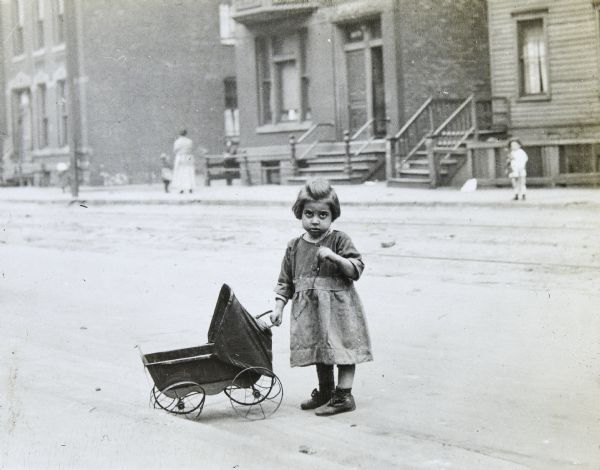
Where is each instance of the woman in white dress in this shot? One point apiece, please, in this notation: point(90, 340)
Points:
point(184, 172)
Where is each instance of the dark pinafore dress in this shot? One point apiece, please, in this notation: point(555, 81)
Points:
point(328, 323)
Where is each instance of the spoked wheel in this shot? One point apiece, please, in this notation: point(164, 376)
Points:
point(255, 393)
point(182, 398)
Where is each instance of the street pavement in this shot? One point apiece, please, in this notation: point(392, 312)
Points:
point(370, 193)
point(482, 311)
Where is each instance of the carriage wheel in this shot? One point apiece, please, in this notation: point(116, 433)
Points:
point(182, 398)
point(260, 399)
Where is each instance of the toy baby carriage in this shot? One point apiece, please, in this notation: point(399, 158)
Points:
point(236, 361)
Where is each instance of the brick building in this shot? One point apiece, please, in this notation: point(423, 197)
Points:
point(140, 71)
point(3, 127)
point(315, 69)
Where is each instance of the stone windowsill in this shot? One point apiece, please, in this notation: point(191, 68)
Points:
point(284, 127)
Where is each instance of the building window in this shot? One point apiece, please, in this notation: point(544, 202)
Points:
point(39, 24)
point(232, 119)
point(283, 79)
point(59, 21)
point(18, 22)
point(533, 58)
point(63, 116)
point(226, 24)
point(42, 116)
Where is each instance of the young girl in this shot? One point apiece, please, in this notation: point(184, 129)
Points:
point(166, 172)
point(328, 324)
point(517, 160)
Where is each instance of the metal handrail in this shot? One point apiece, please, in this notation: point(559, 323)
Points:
point(415, 116)
point(294, 143)
point(364, 146)
point(362, 128)
point(309, 149)
point(313, 128)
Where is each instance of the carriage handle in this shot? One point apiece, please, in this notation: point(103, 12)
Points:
point(262, 314)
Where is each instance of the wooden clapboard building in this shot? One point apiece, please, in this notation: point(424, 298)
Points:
point(545, 72)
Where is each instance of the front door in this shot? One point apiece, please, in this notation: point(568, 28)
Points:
point(364, 72)
point(357, 89)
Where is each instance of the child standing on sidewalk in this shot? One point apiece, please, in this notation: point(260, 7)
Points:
point(166, 171)
point(517, 161)
point(328, 324)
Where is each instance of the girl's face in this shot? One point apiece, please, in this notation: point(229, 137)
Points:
point(316, 218)
point(514, 145)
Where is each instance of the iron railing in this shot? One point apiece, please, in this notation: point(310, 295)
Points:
point(294, 142)
point(372, 136)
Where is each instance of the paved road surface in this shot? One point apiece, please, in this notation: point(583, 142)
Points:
point(484, 323)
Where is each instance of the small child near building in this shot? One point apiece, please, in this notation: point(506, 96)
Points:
point(328, 324)
point(517, 161)
point(166, 171)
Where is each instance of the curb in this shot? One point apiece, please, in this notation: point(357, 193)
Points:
point(278, 203)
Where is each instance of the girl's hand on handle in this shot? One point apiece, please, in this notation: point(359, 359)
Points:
point(277, 316)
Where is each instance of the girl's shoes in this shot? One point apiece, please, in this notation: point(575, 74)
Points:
point(341, 401)
point(317, 398)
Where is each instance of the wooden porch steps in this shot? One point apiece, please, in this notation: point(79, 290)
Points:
point(409, 182)
point(340, 159)
point(447, 126)
point(338, 178)
point(322, 169)
point(420, 172)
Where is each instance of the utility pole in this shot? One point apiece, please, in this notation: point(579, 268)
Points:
point(71, 22)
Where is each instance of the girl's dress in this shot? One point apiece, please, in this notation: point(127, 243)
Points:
point(328, 323)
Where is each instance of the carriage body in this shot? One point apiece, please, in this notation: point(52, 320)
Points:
point(197, 364)
point(237, 360)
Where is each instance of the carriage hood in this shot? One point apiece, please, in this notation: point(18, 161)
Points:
point(238, 337)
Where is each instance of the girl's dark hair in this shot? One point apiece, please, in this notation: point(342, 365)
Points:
point(183, 132)
point(317, 190)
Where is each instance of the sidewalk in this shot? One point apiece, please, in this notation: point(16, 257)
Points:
point(368, 194)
